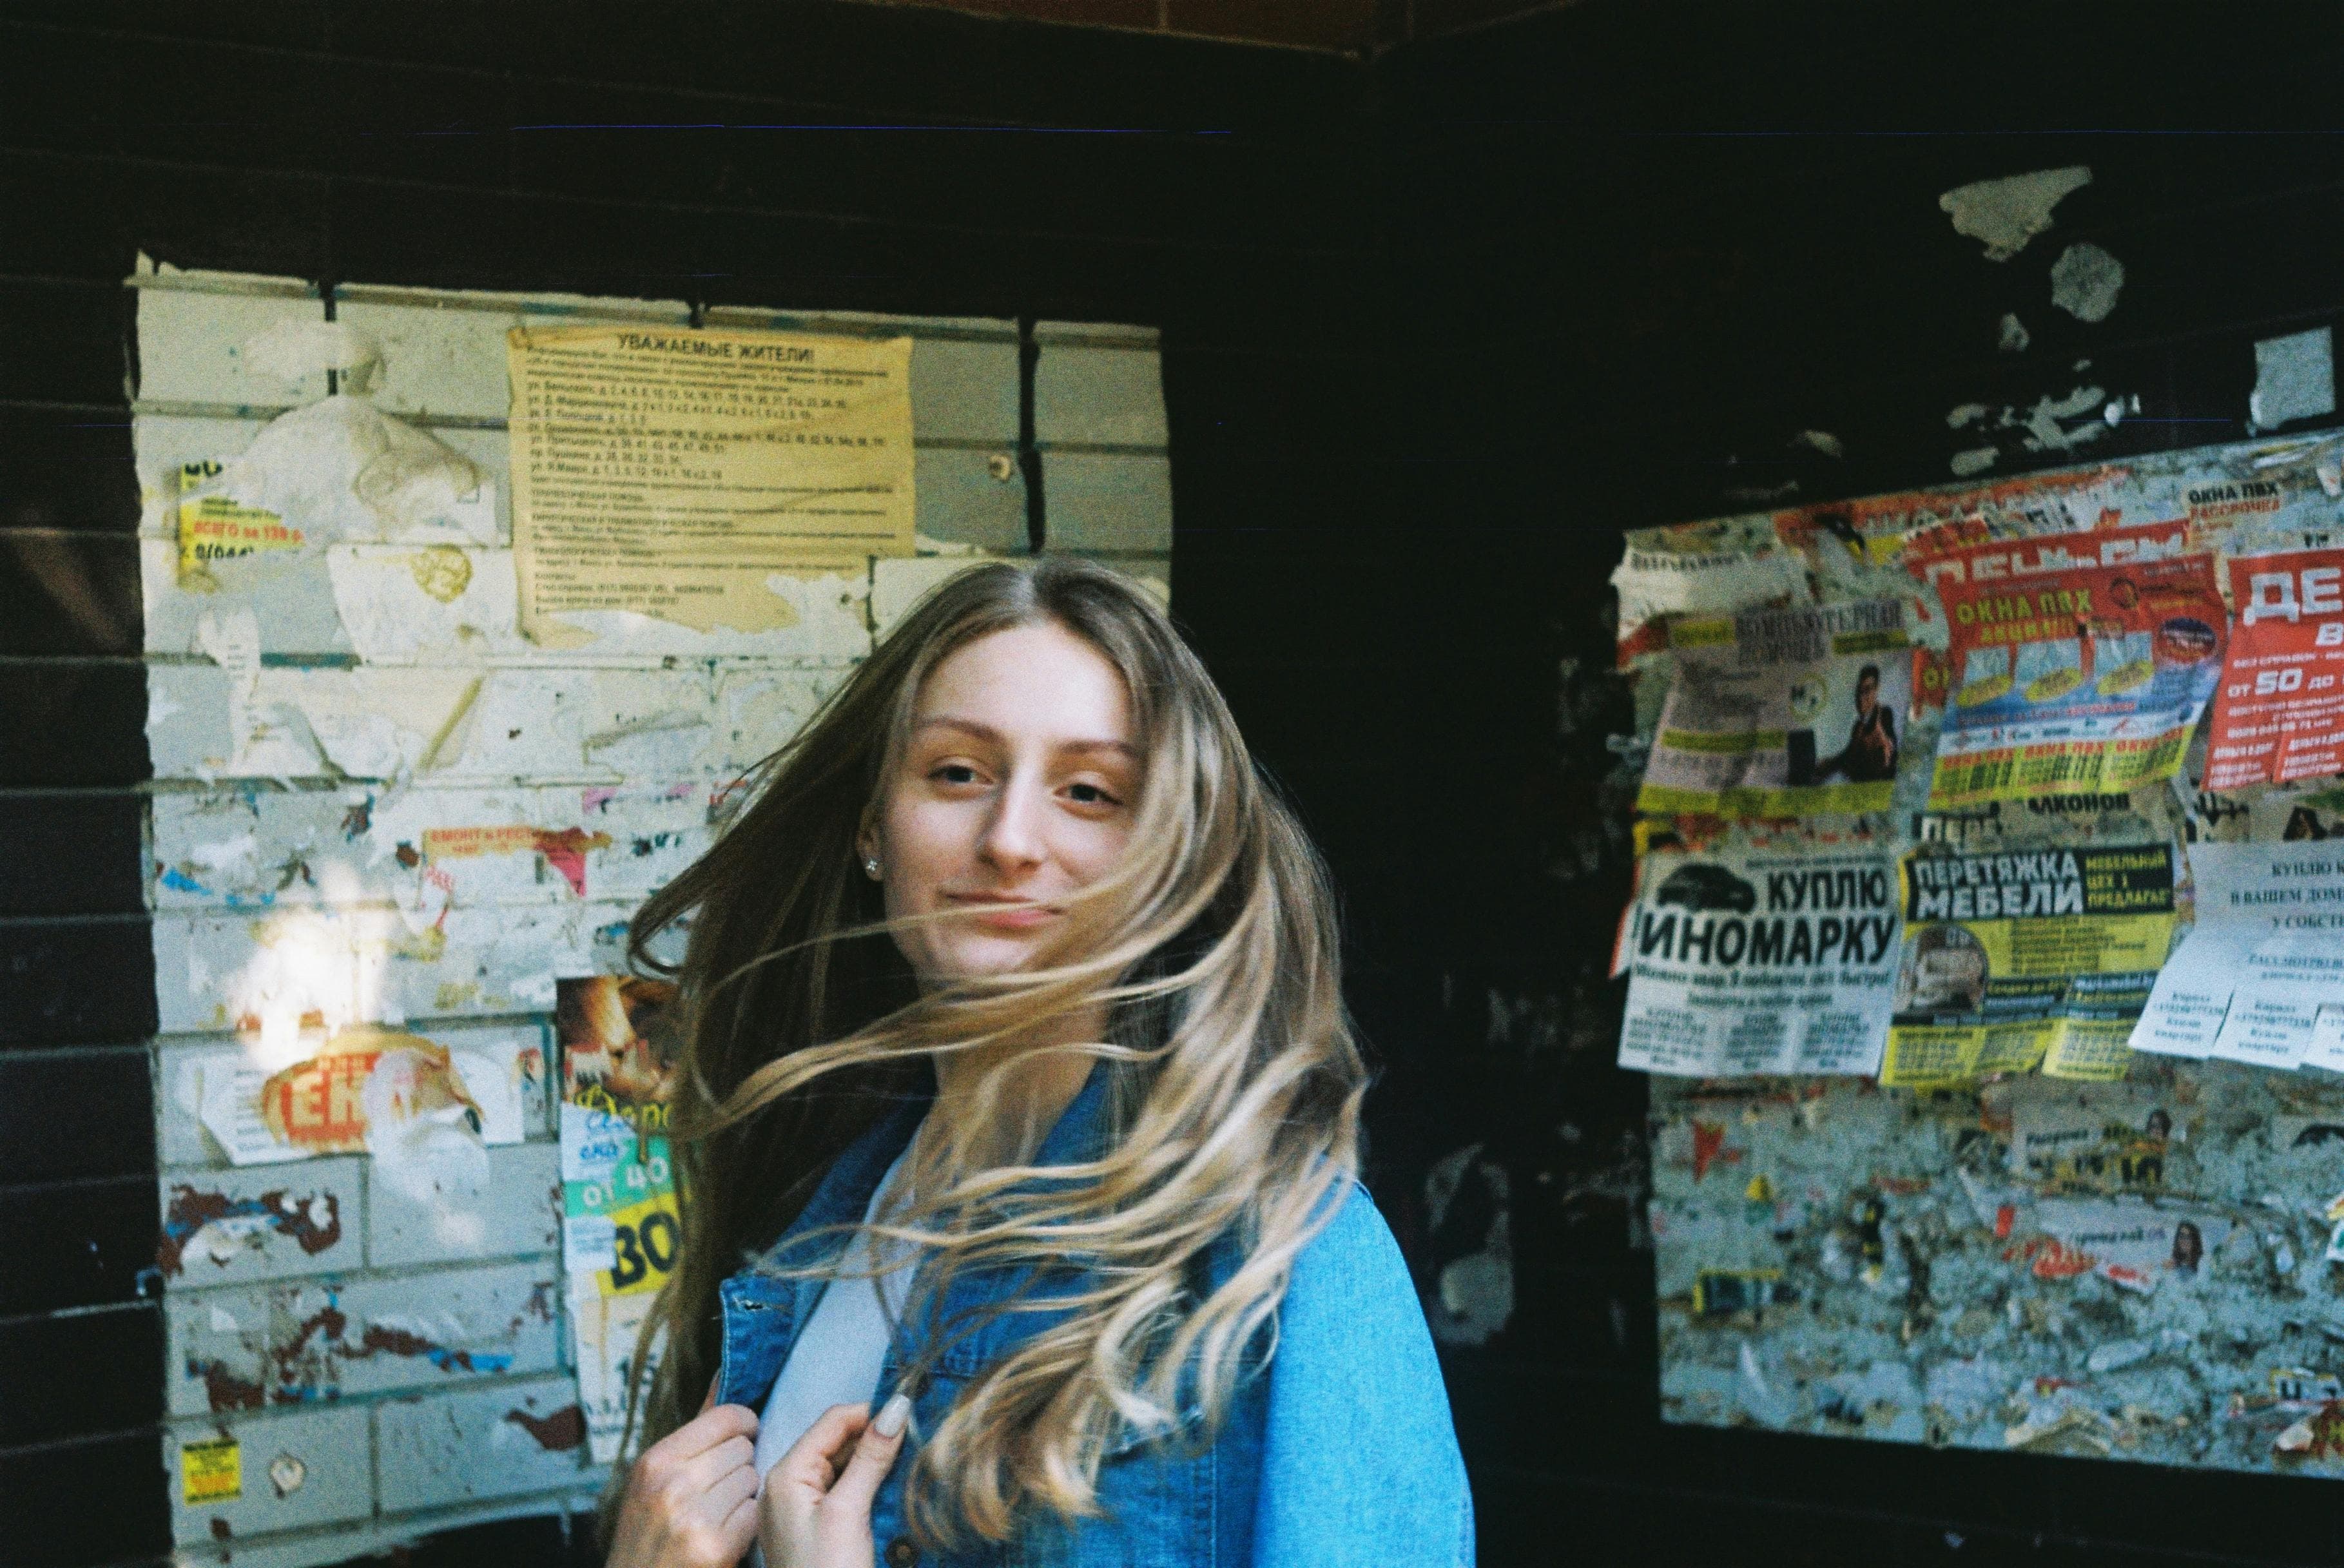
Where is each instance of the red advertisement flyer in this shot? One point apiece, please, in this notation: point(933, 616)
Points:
point(2279, 715)
point(2083, 668)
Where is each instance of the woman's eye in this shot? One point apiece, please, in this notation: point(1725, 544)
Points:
point(953, 774)
point(1090, 794)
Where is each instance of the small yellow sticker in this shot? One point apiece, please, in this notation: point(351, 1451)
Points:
point(215, 528)
point(211, 1471)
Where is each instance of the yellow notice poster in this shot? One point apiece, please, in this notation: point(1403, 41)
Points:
point(671, 472)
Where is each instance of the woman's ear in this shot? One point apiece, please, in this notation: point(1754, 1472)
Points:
point(866, 840)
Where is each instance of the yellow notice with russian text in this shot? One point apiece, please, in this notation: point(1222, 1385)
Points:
point(216, 527)
point(671, 472)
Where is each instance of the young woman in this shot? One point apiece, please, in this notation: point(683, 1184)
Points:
point(1019, 1106)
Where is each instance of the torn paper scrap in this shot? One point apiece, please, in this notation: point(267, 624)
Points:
point(2006, 213)
point(216, 527)
point(345, 470)
point(2294, 378)
point(2085, 281)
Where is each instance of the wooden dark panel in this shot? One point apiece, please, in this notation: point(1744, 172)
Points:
point(62, 342)
point(82, 1244)
point(77, 1376)
point(72, 854)
point(76, 1116)
point(71, 594)
point(85, 1505)
point(70, 982)
point(68, 468)
point(71, 723)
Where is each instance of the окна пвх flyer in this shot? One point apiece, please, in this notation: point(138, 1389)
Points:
point(2043, 955)
point(2089, 677)
point(1751, 963)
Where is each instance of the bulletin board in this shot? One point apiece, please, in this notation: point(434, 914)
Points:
point(1986, 958)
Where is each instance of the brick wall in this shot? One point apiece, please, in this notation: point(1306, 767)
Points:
point(386, 1346)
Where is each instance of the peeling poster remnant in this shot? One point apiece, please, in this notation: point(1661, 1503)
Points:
point(2101, 1269)
point(2294, 378)
point(1467, 1203)
point(214, 1227)
point(2085, 282)
point(2006, 213)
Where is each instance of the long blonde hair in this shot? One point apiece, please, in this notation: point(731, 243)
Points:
point(1233, 1078)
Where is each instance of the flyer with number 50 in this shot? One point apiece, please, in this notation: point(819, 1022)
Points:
point(2280, 716)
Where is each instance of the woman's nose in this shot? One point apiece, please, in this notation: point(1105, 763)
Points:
point(1013, 837)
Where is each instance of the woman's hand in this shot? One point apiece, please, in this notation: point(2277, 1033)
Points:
point(692, 1497)
point(816, 1510)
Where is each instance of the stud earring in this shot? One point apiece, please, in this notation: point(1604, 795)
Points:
point(871, 866)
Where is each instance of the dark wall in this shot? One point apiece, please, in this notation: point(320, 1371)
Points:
point(1435, 332)
point(1639, 248)
point(785, 154)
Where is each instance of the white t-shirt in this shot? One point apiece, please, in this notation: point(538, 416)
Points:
point(837, 1356)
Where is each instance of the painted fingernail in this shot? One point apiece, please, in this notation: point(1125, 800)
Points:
point(892, 1418)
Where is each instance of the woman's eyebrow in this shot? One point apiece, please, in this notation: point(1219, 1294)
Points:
point(987, 733)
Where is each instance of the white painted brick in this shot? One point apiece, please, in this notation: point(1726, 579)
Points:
point(1101, 503)
point(385, 1537)
point(960, 501)
point(218, 972)
point(442, 603)
point(264, 1222)
point(1087, 396)
point(504, 960)
point(453, 1448)
point(187, 720)
point(163, 444)
point(444, 355)
point(287, 591)
point(179, 1136)
point(964, 390)
point(899, 584)
point(197, 347)
point(861, 323)
point(334, 1482)
point(445, 724)
point(301, 1342)
point(492, 451)
point(760, 708)
point(519, 1210)
point(258, 847)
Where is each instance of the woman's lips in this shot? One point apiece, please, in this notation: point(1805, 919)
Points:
point(1001, 911)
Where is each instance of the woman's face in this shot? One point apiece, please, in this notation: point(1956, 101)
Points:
point(1017, 782)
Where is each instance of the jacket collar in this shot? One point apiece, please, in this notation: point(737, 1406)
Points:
point(845, 1192)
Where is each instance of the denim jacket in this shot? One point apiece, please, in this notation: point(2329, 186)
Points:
point(1341, 1453)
